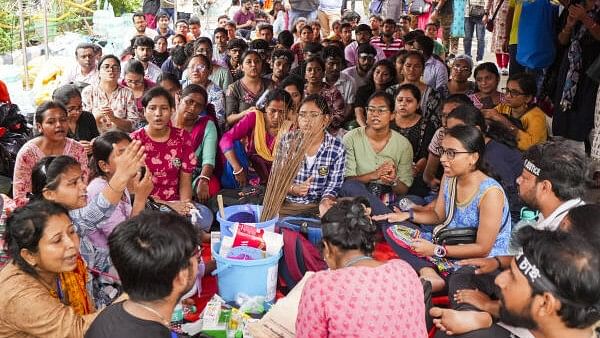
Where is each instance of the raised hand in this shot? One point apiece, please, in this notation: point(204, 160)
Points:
point(302, 188)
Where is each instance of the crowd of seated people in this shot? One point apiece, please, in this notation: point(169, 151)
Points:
point(406, 137)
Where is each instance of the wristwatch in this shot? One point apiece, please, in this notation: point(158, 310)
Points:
point(439, 251)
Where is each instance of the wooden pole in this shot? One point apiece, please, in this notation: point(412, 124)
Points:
point(23, 42)
point(46, 46)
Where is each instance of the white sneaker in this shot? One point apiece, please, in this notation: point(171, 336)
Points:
point(504, 71)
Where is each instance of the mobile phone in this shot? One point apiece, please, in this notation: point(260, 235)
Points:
point(142, 173)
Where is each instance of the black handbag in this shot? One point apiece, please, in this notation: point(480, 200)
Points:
point(152, 204)
point(418, 7)
point(455, 236)
point(490, 24)
point(593, 72)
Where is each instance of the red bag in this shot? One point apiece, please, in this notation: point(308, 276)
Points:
point(299, 256)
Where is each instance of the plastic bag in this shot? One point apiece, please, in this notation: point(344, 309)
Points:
point(252, 305)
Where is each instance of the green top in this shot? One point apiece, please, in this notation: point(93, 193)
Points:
point(207, 151)
point(439, 49)
point(361, 158)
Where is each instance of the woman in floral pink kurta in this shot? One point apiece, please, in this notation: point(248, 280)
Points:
point(52, 126)
point(499, 35)
point(169, 153)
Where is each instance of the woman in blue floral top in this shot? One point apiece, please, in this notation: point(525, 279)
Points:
point(477, 205)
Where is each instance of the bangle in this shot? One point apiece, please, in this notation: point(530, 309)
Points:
point(499, 262)
point(204, 177)
point(239, 171)
point(113, 189)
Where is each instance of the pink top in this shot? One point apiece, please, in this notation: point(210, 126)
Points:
point(27, 158)
point(166, 159)
point(386, 301)
point(244, 128)
point(479, 105)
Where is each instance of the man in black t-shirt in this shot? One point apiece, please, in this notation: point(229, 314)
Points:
point(155, 255)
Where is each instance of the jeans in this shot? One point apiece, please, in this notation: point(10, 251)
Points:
point(540, 76)
point(170, 12)
point(474, 24)
point(294, 14)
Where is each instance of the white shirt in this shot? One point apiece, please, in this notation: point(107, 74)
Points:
point(347, 86)
point(152, 72)
point(74, 75)
point(553, 221)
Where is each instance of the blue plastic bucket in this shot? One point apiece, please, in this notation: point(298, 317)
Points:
point(227, 226)
point(253, 278)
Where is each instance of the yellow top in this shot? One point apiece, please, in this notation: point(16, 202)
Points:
point(534, 126)
point(514, 29)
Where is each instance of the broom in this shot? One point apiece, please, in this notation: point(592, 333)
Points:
point(288, 158)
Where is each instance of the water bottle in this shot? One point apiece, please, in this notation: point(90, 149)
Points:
point(528, 218)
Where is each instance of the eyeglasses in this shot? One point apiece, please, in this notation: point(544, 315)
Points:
point(378, 110)
point(451, 153)
point(198, 68)
point(74, 109)
point(512, 92)
point(461, 69)
point(312, 114)
point(134, 82)
point(114, 68)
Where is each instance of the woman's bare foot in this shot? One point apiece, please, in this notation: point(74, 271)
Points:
point(437, 283)
point(458, 322)
point(474, 297)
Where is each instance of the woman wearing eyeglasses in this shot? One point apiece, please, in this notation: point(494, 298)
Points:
point(199, 68)
point(52, 124)
point(260, 128)
point(82, 125)
point(320, 176)
point(480, 203)
point(134, 80)
point(113, 106)
point(459, 76)
point(520, 114)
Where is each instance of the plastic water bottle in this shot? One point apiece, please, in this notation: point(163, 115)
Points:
point(528, 218)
